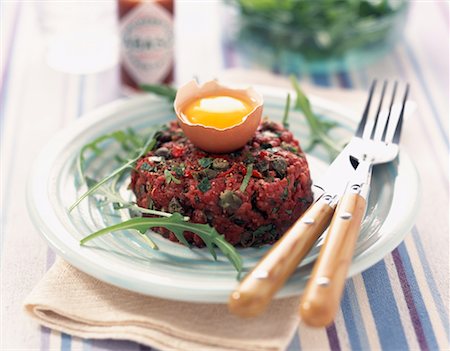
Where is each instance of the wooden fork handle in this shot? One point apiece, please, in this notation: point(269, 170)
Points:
point(256, 290)
point(323, 292)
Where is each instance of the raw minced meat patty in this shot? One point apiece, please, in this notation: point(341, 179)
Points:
point(178, 177)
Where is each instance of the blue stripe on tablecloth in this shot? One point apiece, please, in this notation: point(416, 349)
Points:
point(426, 91)
point(333, 339)
point(321, 79)
point(295, 342)
point(344, 79)
point(384, 308)
point(354, 322)
point(416, 307)
point(3, 103)
point(6, 69)
point(66, 342)
point(437, 298)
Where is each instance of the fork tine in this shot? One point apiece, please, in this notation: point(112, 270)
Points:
point(394, 91)
point(398, 129)
point(362, 123)
point(374, 128)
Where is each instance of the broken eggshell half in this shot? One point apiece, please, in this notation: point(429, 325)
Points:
point(212, 139)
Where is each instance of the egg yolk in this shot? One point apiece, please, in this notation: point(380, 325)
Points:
point(217, 111)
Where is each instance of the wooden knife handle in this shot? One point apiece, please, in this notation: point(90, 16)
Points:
point(321, 299)
point(256, 290)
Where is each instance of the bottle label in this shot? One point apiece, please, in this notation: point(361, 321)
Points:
point(147, 43)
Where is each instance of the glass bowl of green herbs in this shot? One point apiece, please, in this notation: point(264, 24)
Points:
point(291, 36)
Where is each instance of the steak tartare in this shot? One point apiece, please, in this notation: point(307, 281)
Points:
point(251, 196)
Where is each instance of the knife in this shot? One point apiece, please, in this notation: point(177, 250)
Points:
point(254, 293)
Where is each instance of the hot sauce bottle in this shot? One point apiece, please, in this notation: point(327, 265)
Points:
point(146, 41)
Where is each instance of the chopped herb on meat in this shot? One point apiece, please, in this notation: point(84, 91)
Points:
point(246, 179)
point(285, 194)
point(204, 185)
point(263, 230)
point(146, 167)
point(170, 177)
point(179, 169)
point(205, 162)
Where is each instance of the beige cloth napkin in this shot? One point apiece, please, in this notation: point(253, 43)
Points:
point(72, 302)
point(75, 303)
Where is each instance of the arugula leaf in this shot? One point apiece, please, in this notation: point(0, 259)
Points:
point(176, 224)
point(160, 89)
point(247, 177)
point(124, 138)
point(286, 111)
point(319, 129)
point(149, 145)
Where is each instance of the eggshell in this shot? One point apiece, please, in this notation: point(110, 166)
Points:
point(216, 140)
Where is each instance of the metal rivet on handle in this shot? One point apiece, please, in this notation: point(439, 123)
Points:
point(356, 188)
point(236, 295)
point(308, 220)
point(346, 215)
point(323, 281)
point(260, 274)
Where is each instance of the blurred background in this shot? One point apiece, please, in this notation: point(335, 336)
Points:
point(105, 46)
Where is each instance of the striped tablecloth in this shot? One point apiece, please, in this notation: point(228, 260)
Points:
point(400, 303)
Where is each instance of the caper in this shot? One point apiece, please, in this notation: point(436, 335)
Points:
point(175, 206)
point(163, 152)
point(220, 164)
point(209, 173)
point(247, 239)
point(164, 136)
point(229, 201)
point(279, 165)
point(262, 166)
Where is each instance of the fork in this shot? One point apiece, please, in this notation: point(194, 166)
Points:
point(370, 146)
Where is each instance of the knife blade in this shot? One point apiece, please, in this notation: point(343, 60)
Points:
point(336, 176)
point(254, 293)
